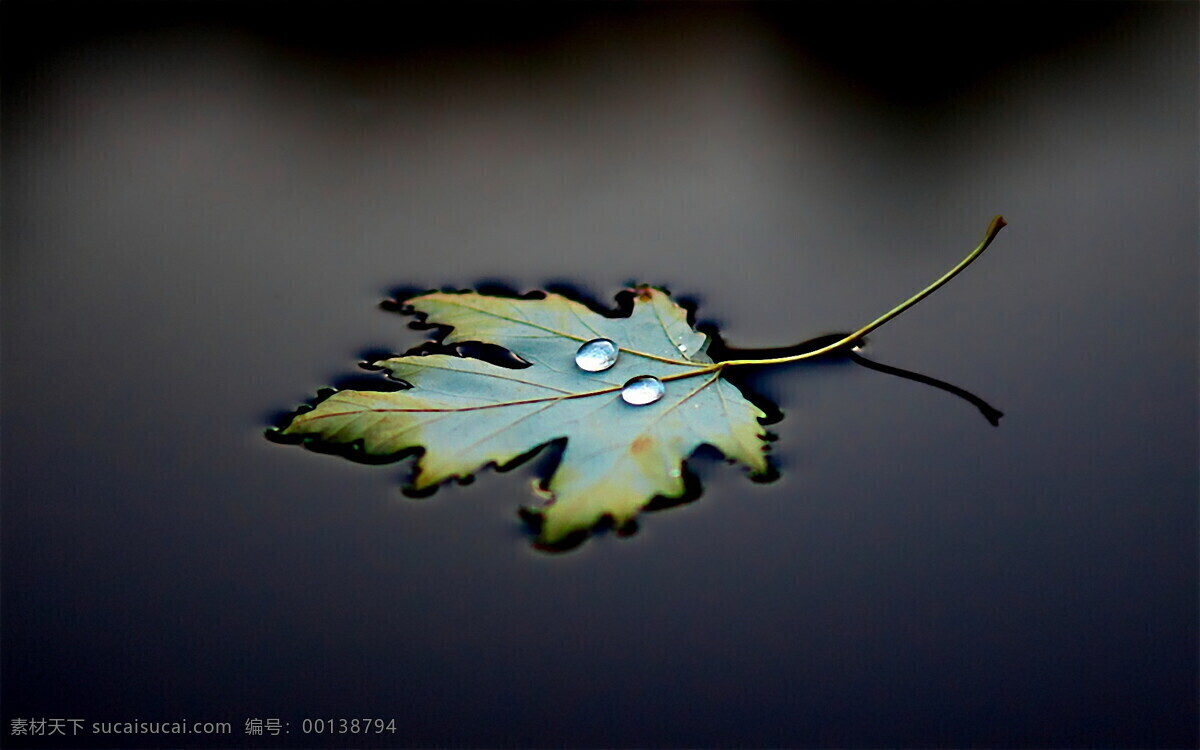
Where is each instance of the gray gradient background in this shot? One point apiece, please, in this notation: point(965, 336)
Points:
point(204, 206)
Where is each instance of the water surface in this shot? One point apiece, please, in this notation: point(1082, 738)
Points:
point(202, 214)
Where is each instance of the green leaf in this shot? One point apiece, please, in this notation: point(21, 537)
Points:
point(466, 413)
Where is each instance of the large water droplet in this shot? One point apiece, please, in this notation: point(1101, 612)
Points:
point(597, 355)
point(642, 390)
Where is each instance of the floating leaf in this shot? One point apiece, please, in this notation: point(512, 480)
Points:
point(632, 398)
point(619, 455)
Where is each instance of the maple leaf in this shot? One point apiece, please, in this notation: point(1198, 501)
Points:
point(629, 417)
point(466, 413)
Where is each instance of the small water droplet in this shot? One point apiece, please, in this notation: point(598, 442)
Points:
point(597, 355)
point(683, 348)
point(642, 390)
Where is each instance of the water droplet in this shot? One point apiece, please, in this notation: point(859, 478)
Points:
point(597, 355)
point(683, 348)
point(642, 390)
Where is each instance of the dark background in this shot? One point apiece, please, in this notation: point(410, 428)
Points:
point(203, 205)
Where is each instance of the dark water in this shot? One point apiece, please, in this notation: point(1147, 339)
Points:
point(204, 206)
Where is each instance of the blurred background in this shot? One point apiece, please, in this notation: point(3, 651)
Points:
point(204, 204)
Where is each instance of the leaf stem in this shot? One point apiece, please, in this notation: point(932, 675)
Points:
point(993, 229)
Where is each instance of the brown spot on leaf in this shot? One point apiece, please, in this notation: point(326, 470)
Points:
point(641, 445)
